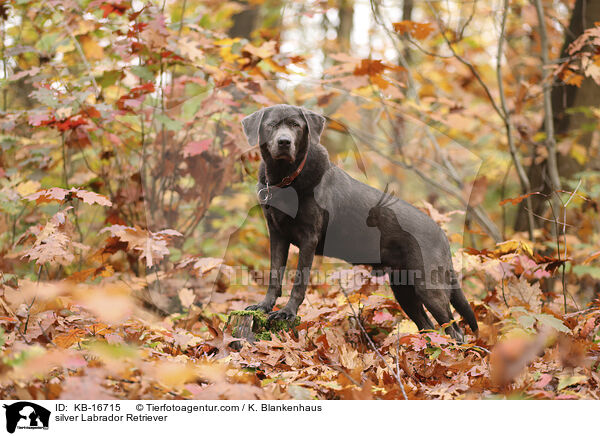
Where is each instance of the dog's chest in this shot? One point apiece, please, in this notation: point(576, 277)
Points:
point(296, 222)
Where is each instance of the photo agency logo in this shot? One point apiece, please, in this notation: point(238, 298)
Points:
point(24, 415)
point(206, 186)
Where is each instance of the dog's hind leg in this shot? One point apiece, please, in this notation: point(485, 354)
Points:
point(462, 306)
point(437, 303)
point(412, 305)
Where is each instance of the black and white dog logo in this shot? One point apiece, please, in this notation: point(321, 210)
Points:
point(26, 415)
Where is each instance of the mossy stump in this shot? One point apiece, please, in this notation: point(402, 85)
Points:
point(253, 325)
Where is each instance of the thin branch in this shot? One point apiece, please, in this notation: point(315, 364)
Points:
point(505, 115)
point(79, 50)
point(549, 220)
point(564, 223)
point(480, 215)
point(425, 51)
point(465, 62)
point(373, 346)
point(547, 85)
point(557, 234)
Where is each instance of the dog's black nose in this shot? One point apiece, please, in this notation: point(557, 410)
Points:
point(284, 142)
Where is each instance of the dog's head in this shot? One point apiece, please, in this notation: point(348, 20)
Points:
point(283, 131)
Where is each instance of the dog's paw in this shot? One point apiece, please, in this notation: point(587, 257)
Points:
point(282, 315)
point(259, 306)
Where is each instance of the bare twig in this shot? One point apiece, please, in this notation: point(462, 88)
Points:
point(543, 218)
point(482, 218)
point(557, 233)
point(79, 50)
point(502, 110)
point(505, 115)
point(564, 230)
point(465, 62)
point(371, 344)
point(564, 223)
point(480, 215)
point(547, 85)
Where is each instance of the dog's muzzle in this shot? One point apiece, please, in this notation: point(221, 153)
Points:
point(283, 146)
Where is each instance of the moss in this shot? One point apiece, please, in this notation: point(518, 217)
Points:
point(261, 327)
point(281, 324)
point(263, 336)
point(260, 318)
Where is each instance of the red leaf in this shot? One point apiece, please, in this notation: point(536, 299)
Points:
point(142, 89)
point(91, 112)
point(125, 101)
point(119, 7)
point(543, 381)
point(194, 148)
point(382, 316)
point(40, 118)
point(369, 67)
point(69, 123)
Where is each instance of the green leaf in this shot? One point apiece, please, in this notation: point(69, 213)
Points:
point(45, 96)
point(191, 107)
point(434, 353)
point(526, 321)
point(550, 321)
point(581, 270)
point(570, 380)
point(109, 78)
point(168, 123)
point(300, 393)
point(46, 42)
point(143, 72)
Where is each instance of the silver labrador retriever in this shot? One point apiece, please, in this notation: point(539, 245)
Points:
point(313, 204)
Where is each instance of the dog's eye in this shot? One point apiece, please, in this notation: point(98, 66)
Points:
point(294, 124)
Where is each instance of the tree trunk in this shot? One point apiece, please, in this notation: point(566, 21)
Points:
point(344, 30)
point(244, 22)
point(565, 97)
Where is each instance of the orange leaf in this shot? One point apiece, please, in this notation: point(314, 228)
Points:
point(90, 197)
point(571, 78)
point(66, 340)
point(517, 200)
point(369, 67)
point(60, 194)
point(48, 195)
point(592, 256)
point(417, 30)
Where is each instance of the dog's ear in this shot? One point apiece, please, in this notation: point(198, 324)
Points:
point(315, 123)
point(251, 126)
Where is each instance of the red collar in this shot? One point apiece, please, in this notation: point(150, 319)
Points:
point(264, 194)
point(286, 181)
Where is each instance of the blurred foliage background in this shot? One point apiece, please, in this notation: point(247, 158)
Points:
point(141, 102)
point(122, 157)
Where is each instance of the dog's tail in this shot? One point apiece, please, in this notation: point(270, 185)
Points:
point(462, 306)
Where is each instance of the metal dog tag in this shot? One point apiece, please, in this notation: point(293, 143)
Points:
point(264, 195)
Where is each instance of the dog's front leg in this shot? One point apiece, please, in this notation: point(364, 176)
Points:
point(305, 260)
point(279, 255)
